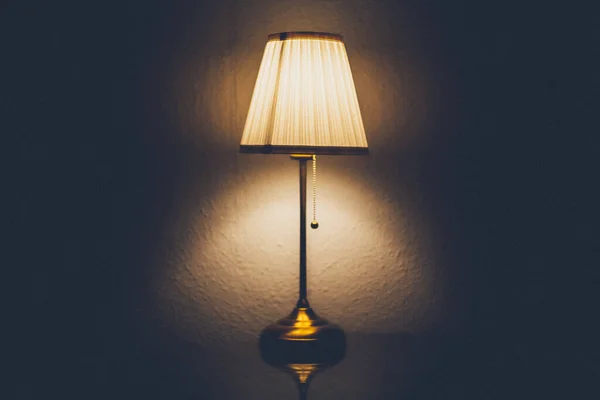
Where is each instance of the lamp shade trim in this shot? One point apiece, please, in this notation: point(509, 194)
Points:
point(305, 35)
point(319, 150)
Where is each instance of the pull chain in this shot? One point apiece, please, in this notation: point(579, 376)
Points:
point(314, 224)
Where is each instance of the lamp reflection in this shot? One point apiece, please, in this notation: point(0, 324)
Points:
point(302, 359)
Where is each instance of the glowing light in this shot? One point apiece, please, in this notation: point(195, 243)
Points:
point(360, 259)
point(302, 327)
point(305, 97)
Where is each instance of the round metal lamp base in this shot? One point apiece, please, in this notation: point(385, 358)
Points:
point(302, 338)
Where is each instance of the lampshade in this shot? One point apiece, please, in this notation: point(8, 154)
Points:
point(304, 100)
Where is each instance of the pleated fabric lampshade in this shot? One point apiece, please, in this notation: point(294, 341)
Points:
point(304, 100)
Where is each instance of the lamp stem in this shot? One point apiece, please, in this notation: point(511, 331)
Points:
point(302, 300)
point(303, 390)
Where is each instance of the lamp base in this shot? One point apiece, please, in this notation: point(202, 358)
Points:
point(302, 338)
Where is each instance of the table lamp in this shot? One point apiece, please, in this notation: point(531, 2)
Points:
point(304, 104)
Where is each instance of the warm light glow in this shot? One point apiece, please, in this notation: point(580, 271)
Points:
point(303, 327)
point(238, 271)
point(304, 97)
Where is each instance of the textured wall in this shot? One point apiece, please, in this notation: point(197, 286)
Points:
point(140, 241)
point(228, 263)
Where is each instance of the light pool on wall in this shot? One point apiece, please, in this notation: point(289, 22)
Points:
point(240, 270)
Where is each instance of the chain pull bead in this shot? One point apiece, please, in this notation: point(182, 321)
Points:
point(314, 224)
